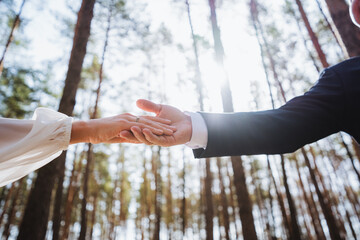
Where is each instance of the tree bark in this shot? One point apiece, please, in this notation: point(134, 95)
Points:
point(232, 200)
point(330, 220)
point(36, 214)
point(93, 214)
point(312, 35)
point(12, 210)
point(259, 196)
point(281, 201)
point(70, 196)
point(85, 191)
point(224, 201)
point(350, 34)
point(7, 202)
point(209, 207)
point(198, 78)
point(57, 209)
point(245, 205)
point(329, 25)
point(295, 230)
point(169, 201)
point(183, 201)
point(243, 197)
point(158, 193)
point(311, 207)
point(90, 147)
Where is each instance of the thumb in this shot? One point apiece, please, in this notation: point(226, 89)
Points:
point(148, 106)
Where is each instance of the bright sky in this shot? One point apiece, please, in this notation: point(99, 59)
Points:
point(242, 53)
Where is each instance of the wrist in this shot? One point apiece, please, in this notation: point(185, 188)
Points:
point(80, 132)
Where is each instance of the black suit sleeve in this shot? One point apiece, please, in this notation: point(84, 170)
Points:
point(304, 119)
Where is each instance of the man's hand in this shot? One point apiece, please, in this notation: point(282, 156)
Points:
point(181, 121)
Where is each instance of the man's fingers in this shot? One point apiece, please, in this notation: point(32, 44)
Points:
point(157, 119)
point(139, 135)
point(148, 106)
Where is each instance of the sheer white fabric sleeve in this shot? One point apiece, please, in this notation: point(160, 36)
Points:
point(199, 135)
point(26, 145)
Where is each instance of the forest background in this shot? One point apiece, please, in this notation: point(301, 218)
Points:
point(111, 53)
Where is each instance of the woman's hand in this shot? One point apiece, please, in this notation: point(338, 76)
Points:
point(107, 130)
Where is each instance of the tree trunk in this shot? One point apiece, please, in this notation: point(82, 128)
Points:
point(70, 196)
point(37, 209)
point(7, 202)
point(311, 207)
point(232, 201)
point(158, 194)
point(183, 201)
point(209, 207)
point(243, 197)
point(224, 201)
point(12, 210)
point(259, 196)
point(57, 213)
point(295, 230)
point(198, 78)
point(350, 34)
point(87, 174)
point(312, 35)
point(245, 205)
point(336, 36)
point(90, 148)
point(15, 25)
point(93, 215)
point(169, 201)
point(281, 201)
point(330, 220)
point(271, 215)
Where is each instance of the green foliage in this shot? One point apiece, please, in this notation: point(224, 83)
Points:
point(20, 91)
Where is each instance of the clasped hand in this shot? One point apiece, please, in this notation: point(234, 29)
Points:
point(169, 127)
point(179, 120)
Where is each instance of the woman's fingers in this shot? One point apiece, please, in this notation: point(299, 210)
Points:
point(128, 136)
point(139, 135)
point(155, 121)
point(122, 140)
point(151, 137)
point(165, 128)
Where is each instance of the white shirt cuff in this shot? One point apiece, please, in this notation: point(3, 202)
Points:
point(199, 135)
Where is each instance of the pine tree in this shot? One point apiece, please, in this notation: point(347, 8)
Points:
point(36, 214)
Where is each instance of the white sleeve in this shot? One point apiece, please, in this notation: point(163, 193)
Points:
point(26, 145)
point(199, 136)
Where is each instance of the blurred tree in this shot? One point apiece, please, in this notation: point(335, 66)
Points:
point(15, 24)
point(73, 189)
point(12, 210)
point(36, 214)
point(244, 202)
point(224, 201)
point(156, 167)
